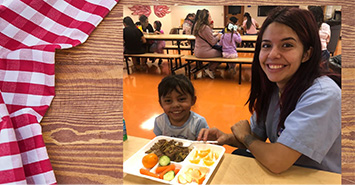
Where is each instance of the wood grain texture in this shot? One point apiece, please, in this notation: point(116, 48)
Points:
point(83, 127)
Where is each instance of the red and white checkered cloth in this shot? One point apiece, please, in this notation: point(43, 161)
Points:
point(30, 31)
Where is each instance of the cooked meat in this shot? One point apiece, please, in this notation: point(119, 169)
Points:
point(173, 149)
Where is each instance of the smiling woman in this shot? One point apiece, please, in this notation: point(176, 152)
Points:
point(303, 122)
point(281, 53)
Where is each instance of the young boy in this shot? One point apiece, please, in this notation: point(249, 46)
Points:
point(176, 96)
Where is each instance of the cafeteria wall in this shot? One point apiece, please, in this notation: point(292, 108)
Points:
point(178, 13)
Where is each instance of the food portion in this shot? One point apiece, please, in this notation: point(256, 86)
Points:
point(150, 160)
point(204, 157)
point(165, 160)
point(193, 175)
point(173, 149)
point(165, 170)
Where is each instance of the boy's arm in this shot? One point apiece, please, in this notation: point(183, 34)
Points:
point(157, 131)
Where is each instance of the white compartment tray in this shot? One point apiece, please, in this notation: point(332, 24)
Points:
point(134, 163)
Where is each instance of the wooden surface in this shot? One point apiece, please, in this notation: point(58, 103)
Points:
point(82, 128)
point(234, 169)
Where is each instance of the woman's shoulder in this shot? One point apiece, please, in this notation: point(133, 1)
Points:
point(325, 86)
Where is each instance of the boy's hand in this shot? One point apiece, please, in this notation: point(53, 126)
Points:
point(212, 134)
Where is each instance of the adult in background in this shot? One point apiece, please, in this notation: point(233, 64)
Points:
point(133, 39)
point(192, 42)
point(146, 26)
point(250, 28)
point(188, 22)
point(249, 25)
point(324, 33)
point(205, 40)
point(294, 103)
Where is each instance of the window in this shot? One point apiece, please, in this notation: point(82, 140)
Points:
point(234, 10)
point(264, 10)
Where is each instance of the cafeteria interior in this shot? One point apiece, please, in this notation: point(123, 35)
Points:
point(222, 101)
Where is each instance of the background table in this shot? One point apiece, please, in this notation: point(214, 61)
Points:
point(234, 169)
point(170, 37)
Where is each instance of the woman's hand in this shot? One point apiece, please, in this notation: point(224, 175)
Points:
point(213, 134)
point(219, 35)
point(240, 130)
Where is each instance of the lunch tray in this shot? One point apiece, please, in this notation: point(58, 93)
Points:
point(134, 163)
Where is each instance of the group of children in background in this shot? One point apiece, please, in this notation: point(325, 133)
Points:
point(228, 40)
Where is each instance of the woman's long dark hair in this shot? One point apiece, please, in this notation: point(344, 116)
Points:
point(194, 23)
point(128, 21)
point(202, 20)
point(305, 26)
point(249, 21)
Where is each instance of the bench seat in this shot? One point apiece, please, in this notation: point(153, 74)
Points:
point(192, 58)
point(169, 57)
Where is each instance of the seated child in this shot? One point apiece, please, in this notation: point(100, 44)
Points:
point(228, 42)
point(176, 96)
point(157, 45)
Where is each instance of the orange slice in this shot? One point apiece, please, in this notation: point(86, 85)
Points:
point(216, 155)
point(195, 161)
point(208, 157)
point(195, 156)
point(208, 162)
point(203, 154)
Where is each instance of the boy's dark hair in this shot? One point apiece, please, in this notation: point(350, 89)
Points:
point(180, 83)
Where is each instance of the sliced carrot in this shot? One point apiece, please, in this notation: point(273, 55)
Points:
point(147, 172)
point(160, 169)
point(176, 170)
point(171, 167)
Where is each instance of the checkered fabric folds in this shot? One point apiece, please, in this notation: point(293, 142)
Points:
point(30, 31)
